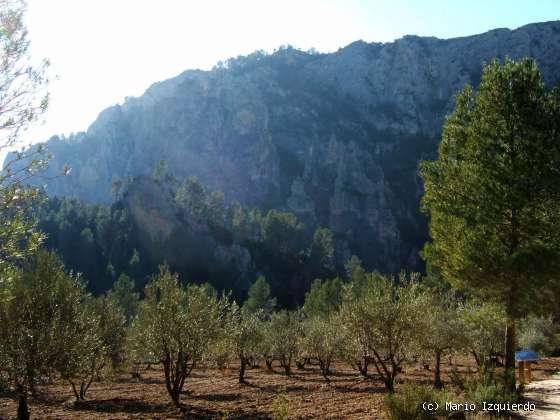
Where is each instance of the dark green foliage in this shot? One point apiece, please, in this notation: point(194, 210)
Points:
point(354, 270)
point(321, 258)
point(259, 299)
point(283, 332)
point(191, 198)
point(282, 251)
point(490, 390)
point(541, 334)
point(282, 232)
point(493, 195)
point(386, 322)
point(107, 243)
point(434, 280)
point(176, 326)
point(112, 329)
point(44, 326)
point(324, 297)
point(217, 210)
point(88, 237)
point(124, 294)
point(406, 403)
point(493, 191)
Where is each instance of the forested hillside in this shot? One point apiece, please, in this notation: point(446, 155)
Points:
point(334, 139)
point(157, 219)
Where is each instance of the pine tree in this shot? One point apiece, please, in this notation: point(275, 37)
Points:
point(124, 295)
point(259, 298)
point(493, 195)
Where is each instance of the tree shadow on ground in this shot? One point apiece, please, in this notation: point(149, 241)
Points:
point(544, 406)
point(123, 405)
point(218, 397)
point(151, 381)
point(315, 379)
point(42, 397)
point(46, 399)
point(375, 389)
point(274, 389)
point(342, 374)
point(201, 413)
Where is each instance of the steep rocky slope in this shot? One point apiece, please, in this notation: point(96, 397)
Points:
point(335, 138)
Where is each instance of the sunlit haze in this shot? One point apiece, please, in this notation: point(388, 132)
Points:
point(103, 51)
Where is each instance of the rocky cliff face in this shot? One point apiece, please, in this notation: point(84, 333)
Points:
point(335, 138)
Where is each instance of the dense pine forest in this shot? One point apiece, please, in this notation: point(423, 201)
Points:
point(104, 243)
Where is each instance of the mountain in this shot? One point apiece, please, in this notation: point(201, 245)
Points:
point(333, 138)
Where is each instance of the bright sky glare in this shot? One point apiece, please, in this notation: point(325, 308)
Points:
point(104, 50)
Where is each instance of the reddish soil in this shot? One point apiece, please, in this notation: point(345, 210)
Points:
point(214, 394)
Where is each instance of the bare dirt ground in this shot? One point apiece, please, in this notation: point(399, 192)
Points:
point(214, 394)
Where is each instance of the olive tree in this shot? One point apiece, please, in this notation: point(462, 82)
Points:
point(322, 340)
point(266, 345)
point(356, 349)
point(483, 328)
point(444, 332)
point(22, 82)
point(247, 337)
point(112, 330)
point(283, 333)
point(81, 351)
point(88, 336)
point(43, 325)
point(389, 318)
point(222, 350)
point(176, 325)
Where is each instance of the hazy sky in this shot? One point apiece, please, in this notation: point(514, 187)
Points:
point(104, 50)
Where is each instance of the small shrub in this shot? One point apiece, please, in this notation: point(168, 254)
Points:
point(224, 415)
point(281, 406)
point(490, 391)
point(407, 403)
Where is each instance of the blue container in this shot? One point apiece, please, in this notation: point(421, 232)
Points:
point(526, 356)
